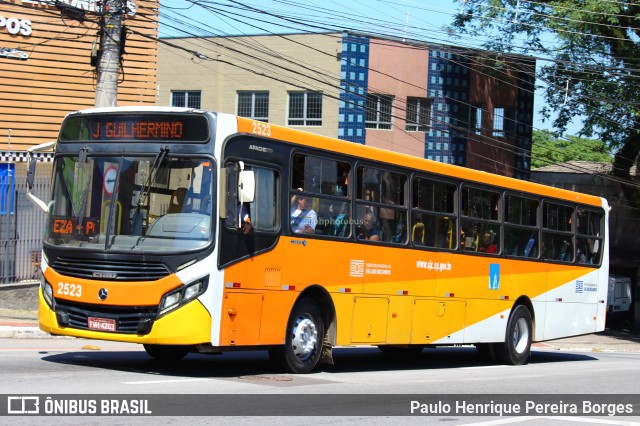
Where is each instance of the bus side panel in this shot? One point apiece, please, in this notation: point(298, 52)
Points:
point(438, 320)
point(344, 305)
point(572, 308)
point(392, 271)
point(400, 319)
point(491, 328)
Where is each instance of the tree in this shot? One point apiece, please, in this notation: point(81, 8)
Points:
point(593, 67)
point(546, 149)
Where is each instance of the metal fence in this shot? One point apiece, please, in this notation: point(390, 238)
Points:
point(21, 228)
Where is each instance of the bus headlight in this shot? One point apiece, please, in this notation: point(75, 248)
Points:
point(47, 292)
point(182, 295)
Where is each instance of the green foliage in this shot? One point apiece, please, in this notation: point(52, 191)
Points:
point(546, 149)
point(593, 66)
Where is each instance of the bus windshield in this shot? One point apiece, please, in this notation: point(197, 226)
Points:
point(158, 203)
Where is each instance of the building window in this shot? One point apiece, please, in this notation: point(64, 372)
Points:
point(254, 105)
point(475, 119)
point(504, 123)
point(305, 109)
point(418, 114)
point(498, 123)
point(186, 99)
point(378, 112)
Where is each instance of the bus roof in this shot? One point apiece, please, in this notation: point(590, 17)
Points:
point(379, 155)
point(303, 138)
point(133, 109)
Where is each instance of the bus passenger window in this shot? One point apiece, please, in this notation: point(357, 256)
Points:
point(417, 230)
point(304, 219)
point(367, 225)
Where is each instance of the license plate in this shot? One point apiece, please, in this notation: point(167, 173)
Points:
point(101, 324)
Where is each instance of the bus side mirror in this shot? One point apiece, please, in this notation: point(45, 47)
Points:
point(31, 172)
point(246, 185)
point(238, 186)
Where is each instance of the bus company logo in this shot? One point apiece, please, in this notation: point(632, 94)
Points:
point(261, 149)
point(102, 274)
point(582, 287)
point(356, 268)
point(103, 293)
point(23, 405)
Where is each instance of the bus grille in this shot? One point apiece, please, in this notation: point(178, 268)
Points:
point(110, 270)
point(128, 319)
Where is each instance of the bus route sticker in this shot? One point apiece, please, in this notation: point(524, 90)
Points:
point(494, 276)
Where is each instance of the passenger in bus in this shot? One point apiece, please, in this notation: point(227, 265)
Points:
point(369, 231)
point(566, 253)
point(487, 244)
point(246, 218)
point(583, 252)
point(303, 218)
point(241, 213)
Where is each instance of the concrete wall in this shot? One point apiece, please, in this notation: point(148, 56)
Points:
point(267, 63)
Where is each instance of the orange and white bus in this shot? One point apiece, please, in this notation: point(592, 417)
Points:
point(193, 231)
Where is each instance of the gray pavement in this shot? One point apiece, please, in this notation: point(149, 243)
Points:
point(23, 323)
point(19, 319)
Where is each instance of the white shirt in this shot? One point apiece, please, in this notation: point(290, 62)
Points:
point(308, 218)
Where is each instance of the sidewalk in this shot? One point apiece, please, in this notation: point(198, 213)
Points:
point(16, 323)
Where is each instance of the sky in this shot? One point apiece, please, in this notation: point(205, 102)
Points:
point(414, 19)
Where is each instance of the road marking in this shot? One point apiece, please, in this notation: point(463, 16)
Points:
point(155, 382)
point(564, 418)
point(505, 421)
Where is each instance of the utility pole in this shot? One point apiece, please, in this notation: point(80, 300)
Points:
point(110, 48)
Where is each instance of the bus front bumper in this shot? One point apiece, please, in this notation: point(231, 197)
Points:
point(187, 325)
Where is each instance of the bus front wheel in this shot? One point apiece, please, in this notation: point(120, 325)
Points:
point(517, 345)
point(166, 352)
point(303, 342)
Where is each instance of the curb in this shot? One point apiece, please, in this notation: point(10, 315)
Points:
point(9, 332)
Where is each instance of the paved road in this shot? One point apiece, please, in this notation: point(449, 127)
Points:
point(24, 324)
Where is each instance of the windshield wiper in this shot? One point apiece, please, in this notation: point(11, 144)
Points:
point(82, 160)
point(144, 191)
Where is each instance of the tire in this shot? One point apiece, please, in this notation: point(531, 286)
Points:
point(167, 353)
point(303, 343)
point(411, 350)
point(517, 346)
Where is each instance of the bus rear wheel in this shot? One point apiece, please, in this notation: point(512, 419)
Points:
point(303, 343)
point(167, 353)
point(517, 346)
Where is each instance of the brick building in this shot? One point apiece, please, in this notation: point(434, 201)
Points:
point(445, 103)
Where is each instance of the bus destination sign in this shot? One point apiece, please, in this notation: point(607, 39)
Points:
point(138, 130)
point(140, 127)
point(69, 225)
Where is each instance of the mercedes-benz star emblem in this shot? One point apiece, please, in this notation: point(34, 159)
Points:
point(102, 294)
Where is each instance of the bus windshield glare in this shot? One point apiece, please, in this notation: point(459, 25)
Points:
point(153, 203)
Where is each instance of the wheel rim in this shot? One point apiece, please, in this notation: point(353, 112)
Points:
point(305, 337)
point(521, 335)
